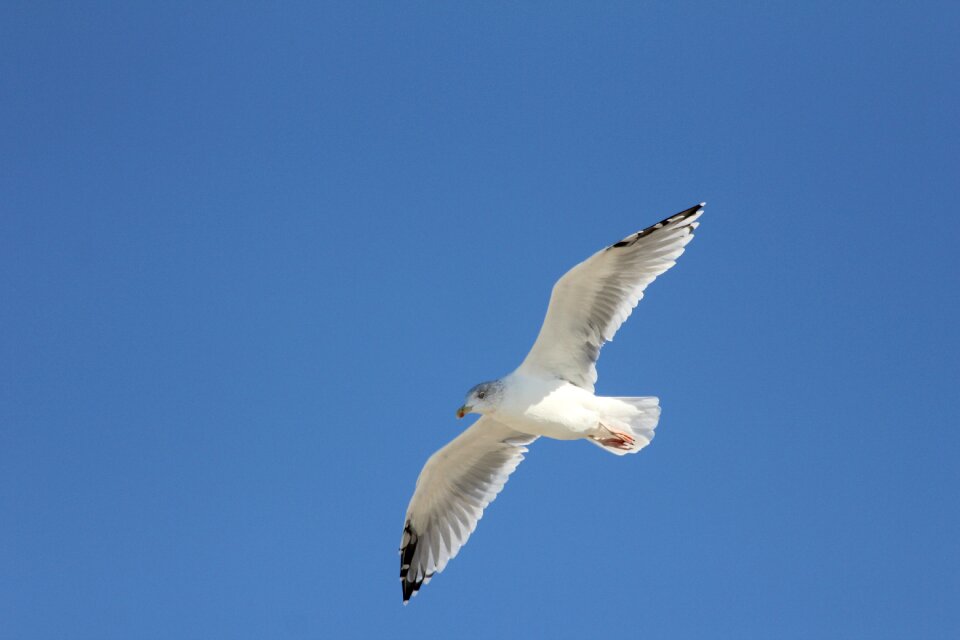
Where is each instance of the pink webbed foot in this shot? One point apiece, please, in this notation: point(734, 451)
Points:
point(616, 439)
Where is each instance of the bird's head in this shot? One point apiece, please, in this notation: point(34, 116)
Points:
point(483, 398)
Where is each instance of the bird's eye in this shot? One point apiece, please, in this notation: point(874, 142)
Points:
point(481, 395)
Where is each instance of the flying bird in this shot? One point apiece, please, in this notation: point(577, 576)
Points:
point(550, 394)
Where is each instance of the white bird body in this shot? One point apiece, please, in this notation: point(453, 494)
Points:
point(550, 394)
point(555, 408)
point(547, 407)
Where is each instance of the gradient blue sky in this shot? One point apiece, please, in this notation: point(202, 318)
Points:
point(252, 256)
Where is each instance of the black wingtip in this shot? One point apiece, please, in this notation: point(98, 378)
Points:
point(408, 590)
point(407, 550)
point(677, 217)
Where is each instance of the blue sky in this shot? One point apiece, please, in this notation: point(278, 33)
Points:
point(253, 255)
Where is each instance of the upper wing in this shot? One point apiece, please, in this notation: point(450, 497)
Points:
point(454, 488)
point(592, 300)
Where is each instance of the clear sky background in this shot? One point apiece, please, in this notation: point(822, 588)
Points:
point(252, 256)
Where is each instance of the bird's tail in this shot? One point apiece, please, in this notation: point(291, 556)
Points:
point(635, 416)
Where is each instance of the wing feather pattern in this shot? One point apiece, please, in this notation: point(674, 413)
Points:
point(592, 300)
point(455, 486)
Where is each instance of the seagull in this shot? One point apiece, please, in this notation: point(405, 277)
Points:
point(550, 394)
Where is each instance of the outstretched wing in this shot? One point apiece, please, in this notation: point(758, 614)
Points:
point(592, 300)
point(454, 488)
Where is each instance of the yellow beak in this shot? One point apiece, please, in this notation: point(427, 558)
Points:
point(462, 411)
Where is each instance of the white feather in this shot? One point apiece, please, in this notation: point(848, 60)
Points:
point(455, 486)
point(592, 300)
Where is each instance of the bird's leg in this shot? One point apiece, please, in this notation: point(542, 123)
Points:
point(615, 438)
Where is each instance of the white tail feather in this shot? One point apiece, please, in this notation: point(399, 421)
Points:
point(637, 416)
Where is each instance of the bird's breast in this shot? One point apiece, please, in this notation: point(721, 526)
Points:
point(551, 408)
